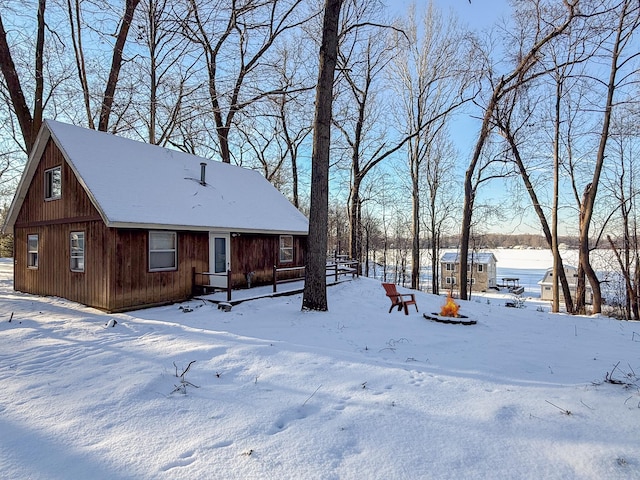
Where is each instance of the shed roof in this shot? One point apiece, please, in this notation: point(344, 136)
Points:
point(477, 257)
point(139, 185)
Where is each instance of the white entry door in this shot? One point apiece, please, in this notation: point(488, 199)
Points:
point(219, 258)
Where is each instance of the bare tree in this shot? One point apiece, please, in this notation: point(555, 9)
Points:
point(292, 110)
point(28, 119)
point(276, 129)
point(442, 193)
point(235, 38)
point(48, 39)
point(166, 72)
point(504, 119)
point(315, 285)
point(116, 64)
point(362, 58)
point(544, 27)
point(430, 85)
point(628, 21)
point(621, 180)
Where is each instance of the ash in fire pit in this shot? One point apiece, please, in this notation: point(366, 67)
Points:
point(449, 313)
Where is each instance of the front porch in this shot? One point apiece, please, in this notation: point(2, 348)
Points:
point(338, 270)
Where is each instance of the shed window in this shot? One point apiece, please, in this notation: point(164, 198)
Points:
point(53, 183)
point(162, 251)
point(286, 248)
point(77, 251)
point(32, 251)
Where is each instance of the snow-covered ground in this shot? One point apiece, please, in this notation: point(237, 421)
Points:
point(353, 393)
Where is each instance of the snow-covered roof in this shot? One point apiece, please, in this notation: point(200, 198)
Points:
point(134, 184)
point(570, 272)
point(477, 257)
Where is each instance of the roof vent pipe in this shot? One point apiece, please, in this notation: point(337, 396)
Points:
point(203, 168)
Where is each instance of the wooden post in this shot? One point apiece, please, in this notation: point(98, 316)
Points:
point(335, 265)
point(275, 281)
point(193, 280)
point(228, 285)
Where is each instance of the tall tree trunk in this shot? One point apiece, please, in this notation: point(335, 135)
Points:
point(39, 90)
point(631, 299)
point(470, 189)
point(29, 123)
point(507, 82)
point(559, 273)
point(415, 231)
point(557, 261)
point(75, 27)
point(623, 37)
point(355, 222)
point(116, 64)
point(435, 254)
point(315, 285)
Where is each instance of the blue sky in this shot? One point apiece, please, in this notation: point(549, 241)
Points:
point(478, 14)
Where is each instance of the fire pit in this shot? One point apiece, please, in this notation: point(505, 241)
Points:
point(449, 313)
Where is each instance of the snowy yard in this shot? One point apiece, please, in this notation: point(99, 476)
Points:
point(354, 393)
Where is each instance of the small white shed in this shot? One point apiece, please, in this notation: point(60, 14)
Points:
point(546, 284)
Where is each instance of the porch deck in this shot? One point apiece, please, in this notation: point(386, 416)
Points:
point(265, 291)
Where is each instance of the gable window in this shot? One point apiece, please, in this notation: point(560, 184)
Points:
point(53, 183)
point(286, 248)
point(450, 267)
point(162, 251)
point(77, 251)
point(32, 251)
point(480, 267)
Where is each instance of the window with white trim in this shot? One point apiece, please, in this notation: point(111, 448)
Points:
point(53, 183)
point(286, 248)
point(76, 242)
point(450, 280)
point(163, 254)
point(480, 267)
point(32, 251)
point(450, 267)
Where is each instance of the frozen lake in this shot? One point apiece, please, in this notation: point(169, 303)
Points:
point(527, 265)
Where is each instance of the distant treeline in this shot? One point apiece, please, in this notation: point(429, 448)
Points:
point(500, 240)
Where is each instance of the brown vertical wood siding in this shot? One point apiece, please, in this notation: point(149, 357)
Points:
point(74, 203)
point(116, 275)
point(53, 275)
point(258, 254)
point(53, 221)
point(134, 285)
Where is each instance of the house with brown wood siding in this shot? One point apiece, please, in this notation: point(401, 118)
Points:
point(118, 224)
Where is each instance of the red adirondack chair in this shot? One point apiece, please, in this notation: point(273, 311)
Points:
point(400, 300)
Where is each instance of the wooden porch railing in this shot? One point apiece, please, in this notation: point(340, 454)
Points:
point(205, 286)
point(336, 266)
point(276, 270)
